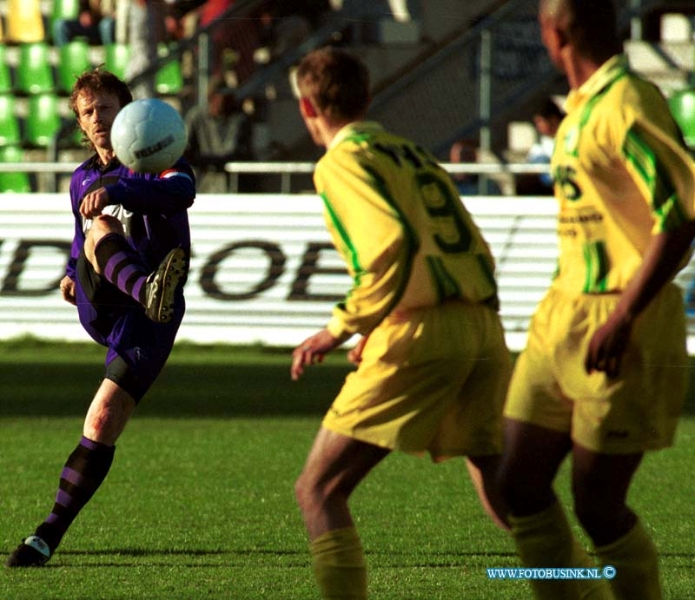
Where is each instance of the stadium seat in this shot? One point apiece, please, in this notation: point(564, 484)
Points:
point(34, 71)
point(9, 123)
point(675, 27)
point(63, 9)
point(5, 75)
point(14, 181)
point(43, 120)
point(116, 58)
point(682, 106)
point(25, 22)
point(169, 79)
point(73, 60)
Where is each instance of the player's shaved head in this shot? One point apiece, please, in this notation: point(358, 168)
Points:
point(589, 26)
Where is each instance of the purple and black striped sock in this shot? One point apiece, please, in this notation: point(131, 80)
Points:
point(120, 265)
point(84, 471)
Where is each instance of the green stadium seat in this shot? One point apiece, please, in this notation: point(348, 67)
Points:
point(682, 106)
point(34, 71)
point(5, 75)
point(14, 181)
point(116, 58)
point(9, 123)
point(63, 9)
point(73, 60)
point(43, 120)
point(169, 78)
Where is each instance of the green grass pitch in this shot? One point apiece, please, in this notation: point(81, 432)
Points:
point(199, 502)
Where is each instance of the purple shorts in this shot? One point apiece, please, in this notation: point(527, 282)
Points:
point(138, 348)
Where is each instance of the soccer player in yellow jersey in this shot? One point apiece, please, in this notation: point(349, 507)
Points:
point(433, 366)
point(604, 374)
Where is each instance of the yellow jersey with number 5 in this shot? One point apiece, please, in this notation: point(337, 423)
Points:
point(396, 218)
point(622, 174)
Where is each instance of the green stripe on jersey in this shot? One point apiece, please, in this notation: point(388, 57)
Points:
point(347, 242)
point(596, 263)
point(665, 202)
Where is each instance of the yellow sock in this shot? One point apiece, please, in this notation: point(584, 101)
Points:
point(545, 540)
point(636, 564)
point(339, 565)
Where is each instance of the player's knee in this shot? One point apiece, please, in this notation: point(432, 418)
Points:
point(519, 491)
point(593, 511)
point(509, 484)
point(304, 492)
point(310, 494)
point(103, 225)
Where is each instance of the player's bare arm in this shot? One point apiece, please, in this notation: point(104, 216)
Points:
point(661, 260)
point(312, 350)
point(355, 354)
point(94, 203)
point(67, 290)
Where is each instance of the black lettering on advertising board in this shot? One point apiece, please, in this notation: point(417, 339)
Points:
point(10, 285)
point(309, 267)
point(276, 267)
point(272, 257)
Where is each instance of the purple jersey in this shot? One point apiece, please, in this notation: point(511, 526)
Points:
point(153, 211)
point(152, 208)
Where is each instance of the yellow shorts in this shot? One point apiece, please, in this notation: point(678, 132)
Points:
point(635, 412)
point(432, 381)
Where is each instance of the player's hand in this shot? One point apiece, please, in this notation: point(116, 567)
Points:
point(311, 351)
point(354, 355)
point(608, 345)
point(67, 289)
point(94, 203)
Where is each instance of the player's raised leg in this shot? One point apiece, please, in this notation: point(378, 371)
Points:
point(335, 466)
point(114, 259)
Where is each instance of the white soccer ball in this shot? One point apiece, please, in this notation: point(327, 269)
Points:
point(148, 136)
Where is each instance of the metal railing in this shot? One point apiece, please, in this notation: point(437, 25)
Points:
point(287, 170)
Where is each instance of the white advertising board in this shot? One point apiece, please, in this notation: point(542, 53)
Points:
point(262, 270)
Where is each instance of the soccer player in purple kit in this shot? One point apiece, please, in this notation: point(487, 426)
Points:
point(126, 271)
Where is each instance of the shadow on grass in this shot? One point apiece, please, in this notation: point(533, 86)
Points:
point(179, 552)
point(197, 390)
point(197, 382)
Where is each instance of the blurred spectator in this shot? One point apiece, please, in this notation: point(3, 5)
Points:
point(218, 132)
point(285, 24)
point(233, 41)
point(95, 22)
point(469, 184)
point(369, 14)
point(146, 31)
point(546, 119)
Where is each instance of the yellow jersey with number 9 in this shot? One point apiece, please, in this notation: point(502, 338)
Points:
point(622, 174)
point(396, 218)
